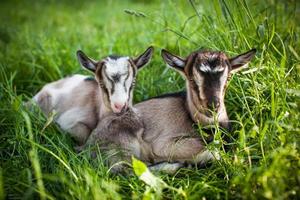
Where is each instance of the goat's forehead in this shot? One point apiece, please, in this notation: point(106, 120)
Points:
point(116, 65)
point(211, 57)
point(211, 61)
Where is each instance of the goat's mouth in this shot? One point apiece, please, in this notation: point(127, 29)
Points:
point(211, 112)
point(119, 108)
point(124, 110)
point(207, 112)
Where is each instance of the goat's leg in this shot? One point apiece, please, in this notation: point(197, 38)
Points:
point(165, 167)
point(183, 149)
point(118, 160)
point(80, 132)
point(44, 100)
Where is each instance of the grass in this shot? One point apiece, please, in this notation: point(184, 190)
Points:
point(38, 41)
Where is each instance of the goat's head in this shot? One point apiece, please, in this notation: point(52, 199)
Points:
point(207, 73)
point(116, 77)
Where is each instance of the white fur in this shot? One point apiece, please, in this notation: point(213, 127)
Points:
point(206, 156)
point(120, 96)
point(71, 117)
point(204, 68)
point(218, 69)
point(166, 167)
point(119, 65)
point(69, 84)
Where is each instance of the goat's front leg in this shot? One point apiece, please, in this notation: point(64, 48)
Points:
point(118, 159)
point(165, 167)
point(183, 149)
point(80, 132)
point(91, 139)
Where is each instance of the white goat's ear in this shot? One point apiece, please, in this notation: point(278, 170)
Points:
point(238, 62)
point(144, 58)
point(86, 62)
point(172, 60)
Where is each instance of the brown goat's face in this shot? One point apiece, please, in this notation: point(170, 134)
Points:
point(207, 73)
point(207, 76)
point(116, 76)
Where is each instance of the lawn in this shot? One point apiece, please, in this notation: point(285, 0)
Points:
point(38, 42)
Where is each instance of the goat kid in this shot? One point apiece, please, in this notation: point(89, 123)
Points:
point(81, 102)
point(168, 120)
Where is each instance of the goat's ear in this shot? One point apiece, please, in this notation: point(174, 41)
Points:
point(172, 60)
point(86, 62)
point(240, 61)
point(144, 58)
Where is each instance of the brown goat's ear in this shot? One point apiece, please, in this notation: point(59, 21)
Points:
point(86, 62)
point(172, 60)
point(144, 58)
point(240, 61)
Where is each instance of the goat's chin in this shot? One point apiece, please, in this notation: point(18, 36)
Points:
point(209, 118)
point(122, 112)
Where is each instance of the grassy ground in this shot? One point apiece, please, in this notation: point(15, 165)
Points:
point(38, 41)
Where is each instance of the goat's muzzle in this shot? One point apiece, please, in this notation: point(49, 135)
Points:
point(120, 108)
point(213, 103)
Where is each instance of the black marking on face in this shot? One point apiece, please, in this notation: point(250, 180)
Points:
point(114, 57)
point(116, 78)
point(213, 63)
point(99, 73)
point(211, 84)
point(124, 84)
point(133, 67)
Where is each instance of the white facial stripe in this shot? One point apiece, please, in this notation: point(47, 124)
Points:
point(205, 68)
point(119, 95)
point(223, 80)
point(218, 69)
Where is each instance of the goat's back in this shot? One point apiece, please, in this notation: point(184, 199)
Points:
point(165, 116)
point(74, 99)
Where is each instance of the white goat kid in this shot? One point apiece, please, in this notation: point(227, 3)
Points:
point(81, 102)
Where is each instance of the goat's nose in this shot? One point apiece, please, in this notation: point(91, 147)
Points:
point(214, 103)
point(119, 107)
